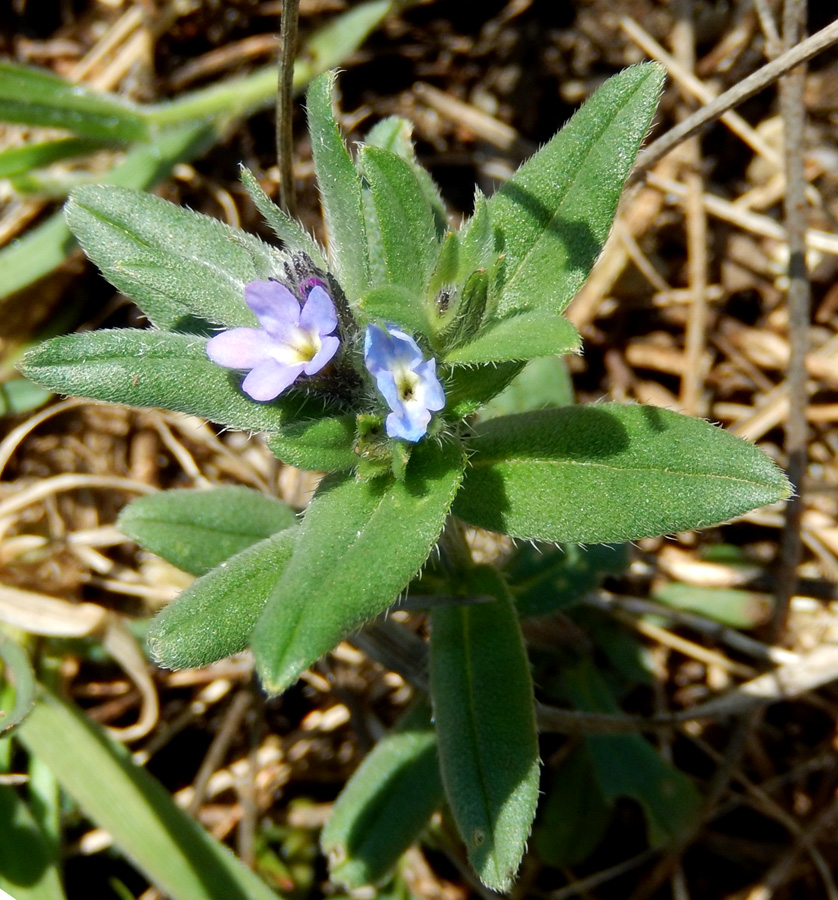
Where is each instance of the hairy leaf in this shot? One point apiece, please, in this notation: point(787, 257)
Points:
point(610, 473)
point(197, 530)
point(360, 544)
point(485, 720)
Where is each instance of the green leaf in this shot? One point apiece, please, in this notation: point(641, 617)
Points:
point(405, 218)
point(628, 765)
point(573, 817)
point(360, 545)
point(467, 388)
point(609, 473)
point(736, 608)
point(398, 306)
point(323, 445)
point(177, 265)
point(33, 96)
point(478, 244)
point(463, 312)
point(555, 213)
point(166, 844)
point(544, 383)
point(544, 579)
point(340, 191)
point(485, 720)
point(396, 135)
point(157, 369)
point(385, 804)
point(20, 160)
point(28, 869)
point(287, 229)
point(214, 617)
point(197, 530)
point(525, 336)
point(19, 396)
point(18, 671)
point(445, 274)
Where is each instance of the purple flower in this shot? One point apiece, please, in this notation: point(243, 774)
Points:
point(405, 378)
point(292, 341)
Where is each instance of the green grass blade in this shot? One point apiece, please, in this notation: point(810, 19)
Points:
point(20, 160)
point(45, 247)
point(16, 664)
point(27, 867)
point(163, 842)
point(33, 96)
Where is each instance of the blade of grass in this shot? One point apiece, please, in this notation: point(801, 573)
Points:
point(20, 160)
point(45, 247)
point(33, 96)
point(27, 866)
point(164, 843)
point(17, 670)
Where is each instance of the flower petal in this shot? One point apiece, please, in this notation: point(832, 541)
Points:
point(434, 396)
point(405, 350)
point(411, 427)
point(276, 308)
point(328, 348)
point(318, 313)
point(269, 379)
point(240, 348)
point(377, 350)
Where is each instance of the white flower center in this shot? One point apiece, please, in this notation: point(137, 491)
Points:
point(408, 384)
point(300, 346)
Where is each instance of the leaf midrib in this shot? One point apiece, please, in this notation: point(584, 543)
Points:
point(529, 461)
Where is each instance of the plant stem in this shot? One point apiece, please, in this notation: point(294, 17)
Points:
point(284, 129)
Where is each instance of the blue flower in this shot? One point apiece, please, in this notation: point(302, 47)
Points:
point(292, 341)
point(405, 378)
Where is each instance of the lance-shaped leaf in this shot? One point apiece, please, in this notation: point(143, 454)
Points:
point(33, 96)
point(398, 306)
point(360, 544)
point(340, 191)
point(158, 369)
point(554, 214)
point(521, 337)
point(386, 803)
point(467, 388)
point(214, 617)
point(198, 530)
point(608, 473)
point(323, 445)
point(396, 135)
point(183, 269)
point(485, 721)
point(405, 218)
point(286, 228)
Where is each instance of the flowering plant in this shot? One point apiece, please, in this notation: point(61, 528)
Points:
point(387, 361)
